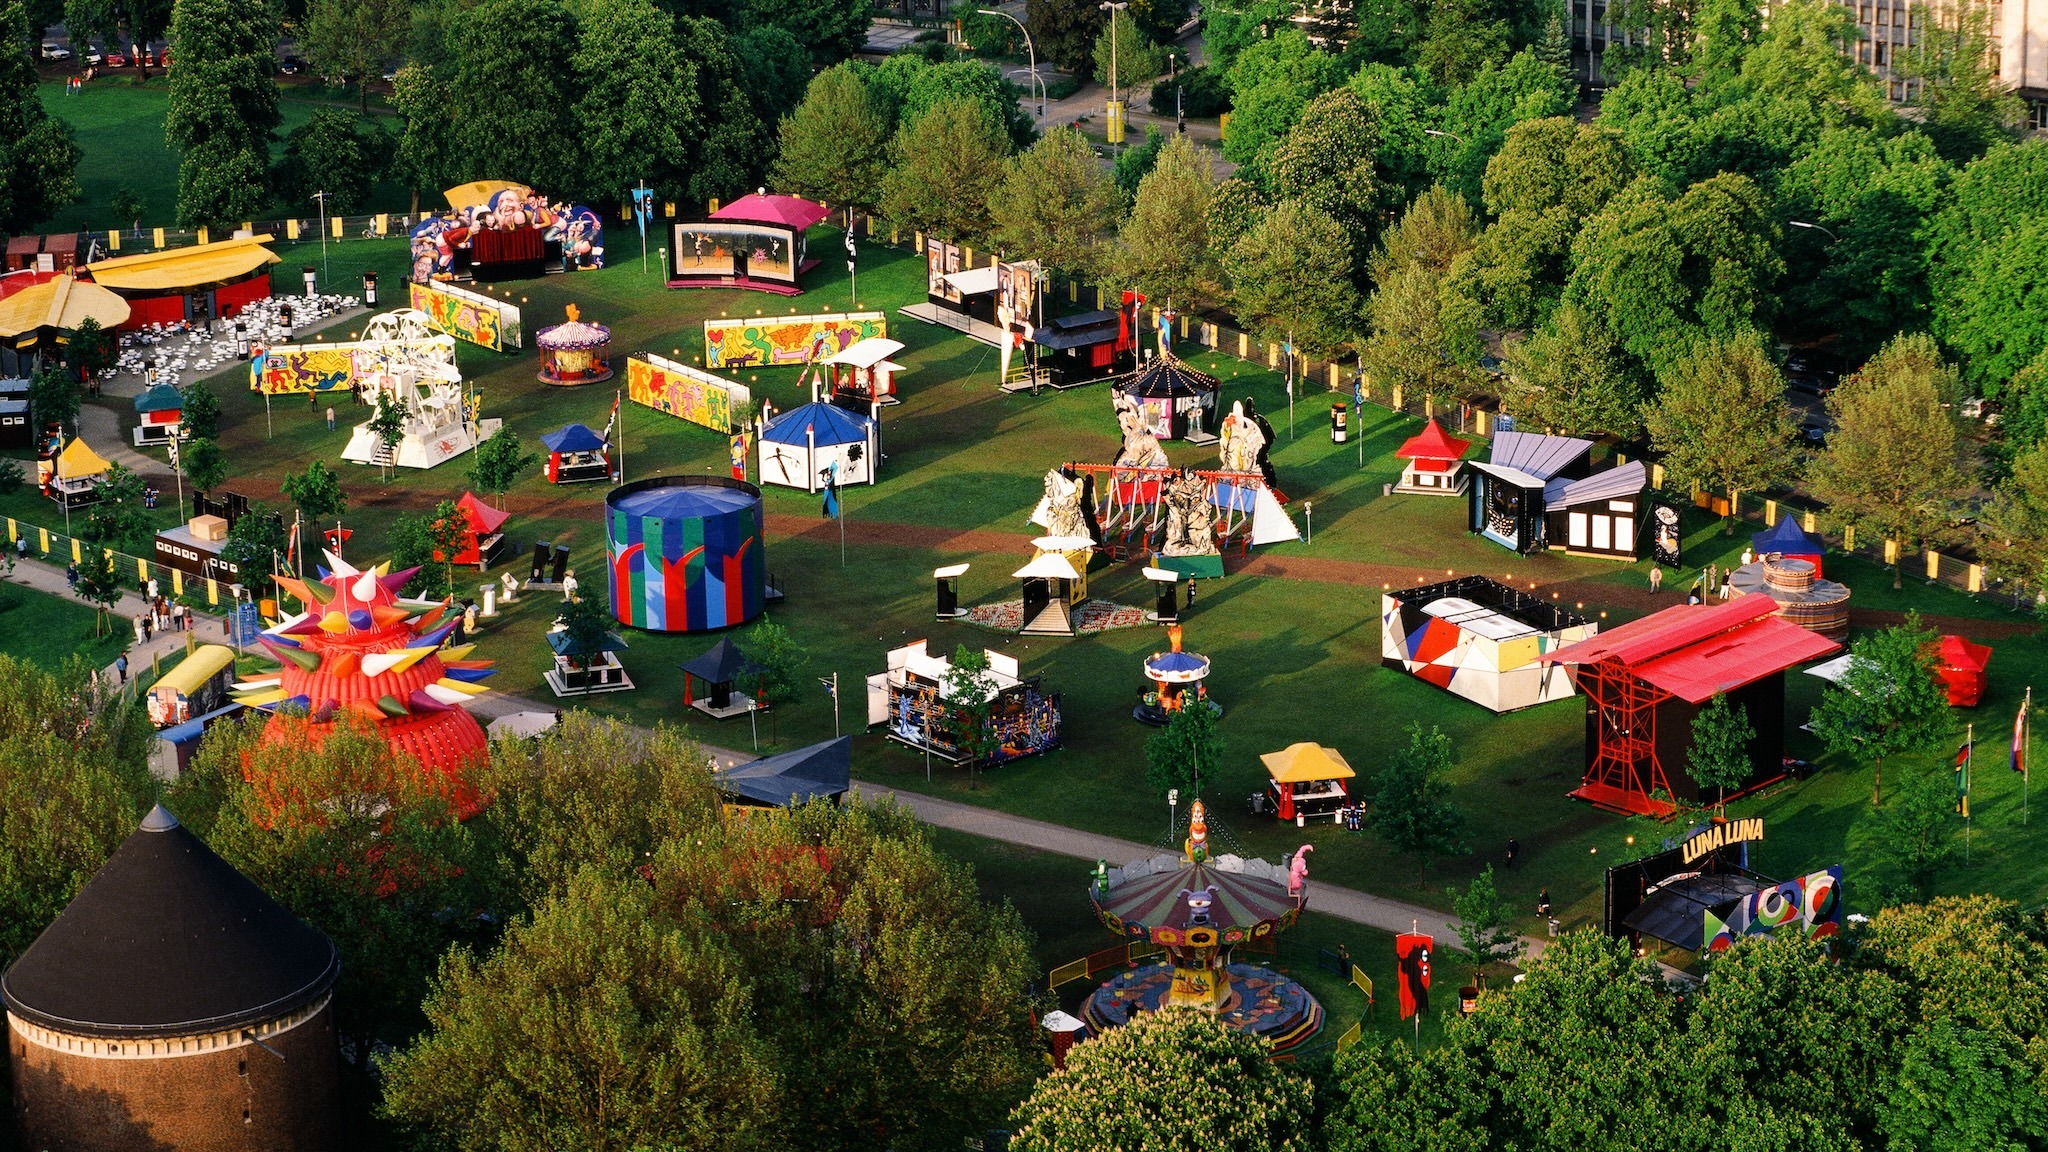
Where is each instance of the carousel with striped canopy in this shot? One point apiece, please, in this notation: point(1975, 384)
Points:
point(1198, 909)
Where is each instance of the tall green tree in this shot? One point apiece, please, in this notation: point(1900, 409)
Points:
point(1271, 83)
point(499, 462)
point(835, 145)
point(510, 97)
point(1909, 840)
point(1186, 752)
point(972, 691)
point(53, 398)
point(730, 155)
point(316, 491)
point(1572, 376)
point(1721, 419)
point(99, 584)
point(832, 30)
point(1422, 335)
point(2014, 536)
point(1125, 55)
point(38, 158)
point(1460, 38)
point(1055, 204)
point(1890, 464)
point(74, 779)
point(204, 464)
point(1549, 178)
point(782, 661)
point(1163, 248)
point(947, 162)
point(1663, 272)
point(117, 519)
point(200, 417)
point(1289, 279)
point(1329, 162)
point(1411, 798)
point(1719, 755)
point(336, 152)
point(1989, 200)
point(1063, 31)
point(652, 1042)
point(1484, 927)
point(636, 98)
point(427, 156)
point(223, 110)
point(255, 542)
point(1960, 1087)
point(1887, 702)
point(355, 39)
point(1166, 1069)
point(411, 539)
point(1996, 314)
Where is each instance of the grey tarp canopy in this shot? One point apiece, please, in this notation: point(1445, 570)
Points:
point(821, 771)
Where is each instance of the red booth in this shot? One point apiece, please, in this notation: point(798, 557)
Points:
point(1961, 670)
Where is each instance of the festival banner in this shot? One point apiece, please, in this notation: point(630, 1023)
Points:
point(1411, 960)
point(686, 393)
point(295, 369)
point(773, 341)
point(467, 315)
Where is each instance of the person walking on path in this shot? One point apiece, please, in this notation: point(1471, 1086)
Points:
point(1656, 579)
point(121, 666)
point(330, 417)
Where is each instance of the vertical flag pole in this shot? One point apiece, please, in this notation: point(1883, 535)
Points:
point(2026, 752)
point(835, 705)
point(1969, 762)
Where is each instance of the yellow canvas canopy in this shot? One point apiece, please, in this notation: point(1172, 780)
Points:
point(192, 673)
point(62, 303)
point(480, 192)
point(78, 461)
point(178, 269)
point(1303, 762)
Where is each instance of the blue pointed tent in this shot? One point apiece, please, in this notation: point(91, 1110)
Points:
point(1788, 538)
point(573, 438)
point(830, 423)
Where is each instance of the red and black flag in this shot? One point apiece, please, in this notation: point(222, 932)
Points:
point(1411, 959)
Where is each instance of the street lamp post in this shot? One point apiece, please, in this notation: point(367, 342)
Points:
point(1817, 228)
point(1028, 50)
point(1115, 101)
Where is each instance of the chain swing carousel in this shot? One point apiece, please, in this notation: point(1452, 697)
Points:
point(1199, 909)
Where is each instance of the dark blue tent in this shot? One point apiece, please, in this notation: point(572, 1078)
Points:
point(1786, 536)
point(821, 771)
point(573, 438)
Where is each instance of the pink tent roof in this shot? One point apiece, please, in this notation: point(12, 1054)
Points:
point(483, 519)
point(1695, 651)
point(1965, 655)
point(791, 211)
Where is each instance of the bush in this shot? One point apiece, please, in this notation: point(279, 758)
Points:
point(11, 477)
point(1062, 86)
point(1204, 95)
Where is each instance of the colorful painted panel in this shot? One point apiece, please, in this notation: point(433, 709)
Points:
point(1812, 902)
point(688, 393)
point(776, 340)
point(685, 553)
point(285, 370)
point(470, 316)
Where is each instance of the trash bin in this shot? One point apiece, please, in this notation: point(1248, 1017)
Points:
point(1340, 422)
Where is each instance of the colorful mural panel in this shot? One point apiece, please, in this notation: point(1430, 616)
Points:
point(778, 340)
point(1812, 902)
point(687, 393)
point(470, 316)
point(290, 370)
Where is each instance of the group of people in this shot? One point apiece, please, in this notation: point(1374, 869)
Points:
point(161, 615)
point(76, 84)
point(1714, 581)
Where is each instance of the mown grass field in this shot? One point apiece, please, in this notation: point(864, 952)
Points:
point(1296, 657)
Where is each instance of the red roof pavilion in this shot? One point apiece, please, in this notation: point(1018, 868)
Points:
point(1645, 680)
point(1433, 450)
point(1961, 670)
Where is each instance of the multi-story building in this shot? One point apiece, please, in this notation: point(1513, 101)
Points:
point(2017, 29)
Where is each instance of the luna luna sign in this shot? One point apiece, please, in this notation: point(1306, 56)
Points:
point(1720, 836)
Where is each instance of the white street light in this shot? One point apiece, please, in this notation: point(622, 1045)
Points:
point(1029, 50)
point(1815, 227)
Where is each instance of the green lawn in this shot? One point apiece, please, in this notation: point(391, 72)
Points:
point(1296, 658)
point(48, 630)
point(119, 125)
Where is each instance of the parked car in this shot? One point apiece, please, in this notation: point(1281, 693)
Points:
point(1811, 383)
point(291, 65)
point(1815, 431)
point(55, 51)
point(94, 57)
point(117, 58)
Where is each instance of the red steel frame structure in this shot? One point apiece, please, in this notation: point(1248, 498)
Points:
point(1625, 774)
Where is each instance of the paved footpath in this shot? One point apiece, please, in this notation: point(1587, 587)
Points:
point(166, 646)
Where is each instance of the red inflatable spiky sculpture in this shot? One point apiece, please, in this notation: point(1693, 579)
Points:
point(360, 650)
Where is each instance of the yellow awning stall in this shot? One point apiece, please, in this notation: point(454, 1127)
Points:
point(63, 303)
point(181, 269)
point(79, 462)
point(1306, 762)
point(480, 192)
point(192, 673)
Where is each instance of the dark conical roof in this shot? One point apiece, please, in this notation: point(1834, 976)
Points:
point(168, 939)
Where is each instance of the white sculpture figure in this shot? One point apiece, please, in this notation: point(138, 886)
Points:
point(1190, 527)
point(469, 619)
point(510, 589)
point(569, 585)
point(1141, 448)
point(1059, 510)
point(1241, 441)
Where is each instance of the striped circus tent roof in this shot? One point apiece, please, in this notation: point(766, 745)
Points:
point(1249, 897)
